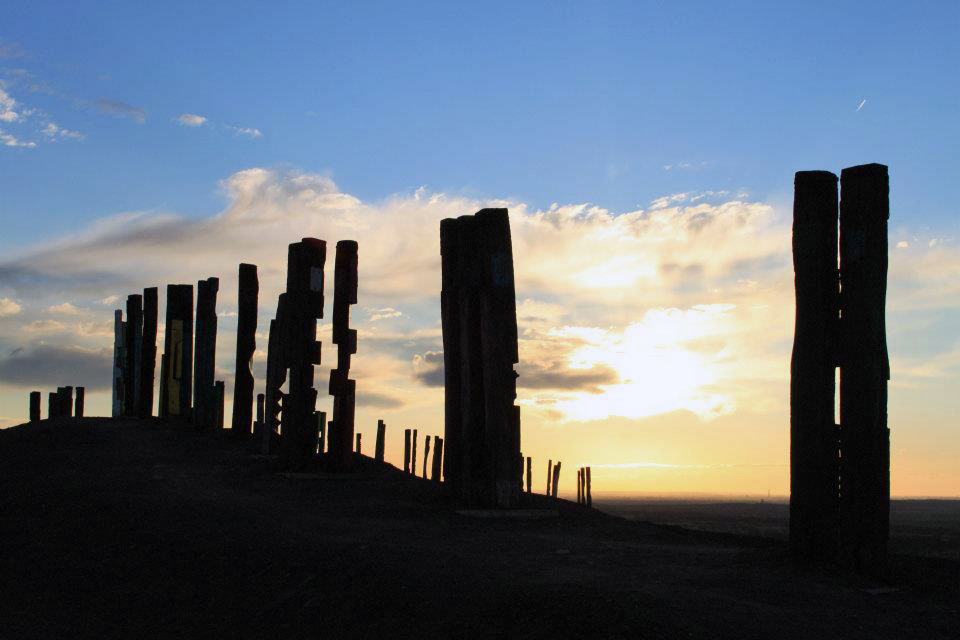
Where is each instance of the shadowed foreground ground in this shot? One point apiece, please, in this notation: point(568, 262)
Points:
point(115, 528)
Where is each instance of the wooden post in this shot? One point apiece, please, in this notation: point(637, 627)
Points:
point(381, 437)
point(52, 406)
point(248, 290)
point(529, 474)
point(341, 387)
point(321, 431)
point(556, 478)
point(579, 496)
point(134, 339)
point(78, 411)
point(218, 405)
point(549, 476)
point(66, 402)
point(589, 493)
point(451, 322)
point(177, 385)
point(437, 458)
point(205, 354)
point(406, 450)
point(864, 368)
point(119, 363)
point(148, 352)
point(359, 448)
point(34, 406)
point(413, 454)
point(426, 455)
point(813, 440)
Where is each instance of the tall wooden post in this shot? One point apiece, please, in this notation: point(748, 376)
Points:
point(342, 388)
point(359, 444)
point(381, 440)
point(814, 449)
point(556, 478)
point(299, 351)
point(478, 306)
point(589, 490)
point(549, 475)
point(437, 470)
point(119, 363)
point(134, 338)
point(864, 368)
point(273, 396)
point(177, 386)
point(406, 450)
point(579, 495)
point(247, 294)
point(66, 400)
point(218, 406)
point(52, 406)
point(426, 455)
point(148, 352)
point(529, 474)
point(34, 406)
point(413, 453)
point(78, 404)
point(205, 354)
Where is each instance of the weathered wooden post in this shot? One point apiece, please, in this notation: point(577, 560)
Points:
point(34, 406)
point(258, 424)
point(426, 455)
point(148, 351)
point(579, 494)
point(529, 474)
point(864, 368)
point(296, 328)
point(205, 354)
point(52, 406)
point(247, 295)
point(413, 454)
point(321, 432)
point(177, 388)
point(478, 306)
point(119, 363)
point(359, 447)
point(437, 470)
point(342, 388)
point(66, 402)
point(589, 491)
point(218, 406)
point(556, 478)
point(549, 476)
point(381, 438)
point(276, 376)
point(406, 450)
point(814, 448)
point(134, 338)
point(78, 411)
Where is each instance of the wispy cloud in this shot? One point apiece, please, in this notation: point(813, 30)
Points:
point(11, 50)
point(65, 309)
point(384, 314)
point(10, 140)
point(53, 132)
point(248, 132)
point(8, 105)
point(191, 119)
point(9, 307)
point(122, 110)
point(862, 102)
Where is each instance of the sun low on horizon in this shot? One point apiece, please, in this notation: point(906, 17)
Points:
point(650, 218)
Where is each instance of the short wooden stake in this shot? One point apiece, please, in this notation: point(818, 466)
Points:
point(426, 455)
point(78, 403)
point(413, 453)
point(589, 495)
point(406, 450)
point(359, 446)
point(34, 406)
point(556, 478)
point(437, 458)
point(529, 475)
point(549, 475)
point(381, 436)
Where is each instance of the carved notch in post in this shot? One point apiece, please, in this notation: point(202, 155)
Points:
point(248, 290)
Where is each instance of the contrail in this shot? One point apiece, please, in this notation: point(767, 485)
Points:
point(862, 102)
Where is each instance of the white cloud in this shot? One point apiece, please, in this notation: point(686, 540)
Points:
point(384, 314)
point(7, 106)
point(65, 309)
point(191, 119)
point(53, 131)
point(9, 307)
point(10, 140)
point(903, 244)
point(248, 131)
point(109, 300)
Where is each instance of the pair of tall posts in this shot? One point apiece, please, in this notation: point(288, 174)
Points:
point(840, 470)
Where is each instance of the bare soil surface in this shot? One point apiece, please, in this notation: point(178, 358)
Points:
point(131, 529)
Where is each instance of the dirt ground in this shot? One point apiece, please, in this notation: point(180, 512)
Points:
point(130, 529)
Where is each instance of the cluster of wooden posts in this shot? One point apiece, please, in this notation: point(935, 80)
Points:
point(60, 404)
point(840, 465)
point(410, 454)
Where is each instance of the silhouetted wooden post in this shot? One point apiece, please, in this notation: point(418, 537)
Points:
point(342, 388)
point(205, 354)
point(248, 290)
point(549, 476)
point(478, 306)
point(161, 400)
point(52, 400)
point(413, 454)
point(219, 405)
point(864, 368)
point(119, 363)
point(148, 352)
point(321, 432)
point(178, 349)
point(134, 338)
point(579, 495)
point(583, 484)
point(359, 447)
point(381, 437)
point(406, 450)
point(34, 406)
point(589, 490)
point(437, 469)
point(276, 376)
point(529, 474)
point(66, 402)
point(814, 449)
point(78, 404)
point(556, 478)
point(297, 313)
point(426, 455)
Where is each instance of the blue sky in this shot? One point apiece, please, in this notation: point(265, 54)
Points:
point(547, 102)
point(146, 144)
